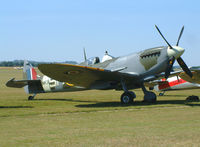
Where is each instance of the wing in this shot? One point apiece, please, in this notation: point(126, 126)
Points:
point(83, 75)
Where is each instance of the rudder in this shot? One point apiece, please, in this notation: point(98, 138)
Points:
point(29, 72)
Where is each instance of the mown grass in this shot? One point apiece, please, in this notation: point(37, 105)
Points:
point(95, 118)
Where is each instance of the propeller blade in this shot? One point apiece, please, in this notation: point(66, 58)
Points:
point(184, 67)
point(169, 68)
point(180, 36)
point(163, 37)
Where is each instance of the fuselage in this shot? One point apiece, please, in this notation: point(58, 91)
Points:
point(145, 63)
point(51, 85)
point(48, 85)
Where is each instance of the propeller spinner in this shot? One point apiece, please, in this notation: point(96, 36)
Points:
point(175, 52)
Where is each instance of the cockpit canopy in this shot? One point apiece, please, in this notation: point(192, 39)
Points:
point(93, 60)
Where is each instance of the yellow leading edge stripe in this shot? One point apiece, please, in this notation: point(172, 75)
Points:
point(87, 67)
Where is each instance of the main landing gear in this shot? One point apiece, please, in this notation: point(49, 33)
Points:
point(148, 95)
point(32, 97)
point(128, 96)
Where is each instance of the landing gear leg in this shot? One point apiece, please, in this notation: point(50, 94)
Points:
point(148, 95)
point(32, 97)
point(128, 96)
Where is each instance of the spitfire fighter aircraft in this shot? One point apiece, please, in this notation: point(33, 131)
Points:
point(180, 82)
point(122, 73)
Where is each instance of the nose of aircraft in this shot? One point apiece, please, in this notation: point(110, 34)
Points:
point(176, 51)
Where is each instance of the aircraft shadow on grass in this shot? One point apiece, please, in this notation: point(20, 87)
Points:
point(173, 95)
point(138, 103)
point(118, 104)
point(63, 99)
point(9, 107)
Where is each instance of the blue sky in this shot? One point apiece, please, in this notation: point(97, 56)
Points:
point(57, 30)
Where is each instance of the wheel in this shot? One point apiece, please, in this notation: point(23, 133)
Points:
point(150, 97)
point(30, 98)
point(127, 98)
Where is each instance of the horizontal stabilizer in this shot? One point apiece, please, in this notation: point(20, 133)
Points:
point(20, 83)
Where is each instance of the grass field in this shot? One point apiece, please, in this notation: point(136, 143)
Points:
point(95, 118)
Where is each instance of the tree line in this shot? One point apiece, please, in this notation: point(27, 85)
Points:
point(18, 63)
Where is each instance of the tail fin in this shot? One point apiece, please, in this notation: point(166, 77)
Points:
point(29, 72)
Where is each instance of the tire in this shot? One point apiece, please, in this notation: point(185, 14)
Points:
point(127, 98)
point(150, 97)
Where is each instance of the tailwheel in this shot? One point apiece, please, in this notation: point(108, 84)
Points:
point(30, 98)
point(127, 97)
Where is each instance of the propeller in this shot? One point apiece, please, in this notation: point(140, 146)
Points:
point(172, 60)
